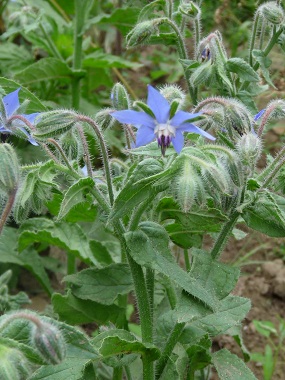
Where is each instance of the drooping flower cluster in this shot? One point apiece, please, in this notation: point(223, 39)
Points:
point(161, 125)
point(10, 107)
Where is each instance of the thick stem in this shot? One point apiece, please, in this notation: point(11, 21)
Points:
point(141, 293)
point(7, 209)
point(104, 153)
point(170, 344)
point(187, 260)
point(71, 264)
point(77, 55)
point(182, 55)
point(253, 36)
point(224, 235)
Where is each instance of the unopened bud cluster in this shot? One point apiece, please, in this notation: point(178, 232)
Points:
point(249, 148)
point(54, 123)
point(120, 97)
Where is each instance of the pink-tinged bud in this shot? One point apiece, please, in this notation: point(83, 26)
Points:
point(49, 342)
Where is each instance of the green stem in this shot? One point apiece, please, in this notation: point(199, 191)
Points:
point(171, 293)
point(187, 260)
point(142, 301)
point(117, 373)
point(87, 159)
point(169, 9)
point(224, 235)
point(182, 55)
point(270, 177)
point(253, 36)
point(272, 165)
point(266, 51)
point(59, 148)
point(71, 263)
point(51, 44)
point(104, 153)
point(7, 209)
point(77, 55)
point(149, 280)
point(170, 344)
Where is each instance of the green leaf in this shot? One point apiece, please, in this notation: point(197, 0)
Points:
point(29, 258)
point(199, 354)
point(265, 328)
point(44, 70)
point(101, 285)
point(230, 367)
point(103, 60)
point(117, 342)
point(67, 236)
point(74, 310)
point(149, 248)
point(75, 195)
point(140, 187)
point(244, 71)
point(34, 105)
point(264, 63)
point(185, 226)
point(122, 18)
point(267, 214)
point(217, 278)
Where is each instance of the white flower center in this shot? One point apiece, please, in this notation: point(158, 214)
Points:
point(165, 130)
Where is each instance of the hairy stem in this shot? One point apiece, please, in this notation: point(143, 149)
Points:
point(224, 235)
point(77, 55)
point(87, 159)
point(170, 344)
point(253, 37)
point(7, 209)
point(104, 153)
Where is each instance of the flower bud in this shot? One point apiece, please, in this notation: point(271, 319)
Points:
point(120, 98)
point(10, 171)
point(272, 12)
point(190, 9)
point(49, 341)
point(143, 31)
point(104, 118)
point(249, 148)
point(55, 123)
point(13, 364)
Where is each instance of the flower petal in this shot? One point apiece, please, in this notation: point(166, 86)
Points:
point(29, 137)
point(187, 127)
point(11, 102)
point(259, 114)
point(178, 141)
point(134, 117)
point(31, 117)
point(145, 135)
point(158, 104)
point(181, 116)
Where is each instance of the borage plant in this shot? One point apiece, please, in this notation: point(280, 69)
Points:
point(129, 221)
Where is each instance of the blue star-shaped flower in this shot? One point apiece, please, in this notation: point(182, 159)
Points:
point(162, 128)
point(11, 105)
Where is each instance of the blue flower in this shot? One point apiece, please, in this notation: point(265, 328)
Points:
point(11, 105)
point(159, 126)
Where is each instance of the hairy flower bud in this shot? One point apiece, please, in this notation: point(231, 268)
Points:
point(143, 31)
point(55, 123)
point(190, 9)
point(272, 12)
point(249, 148)
point(10, 170)
point(120, 97)
point(49, 341)
point(13, 364)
